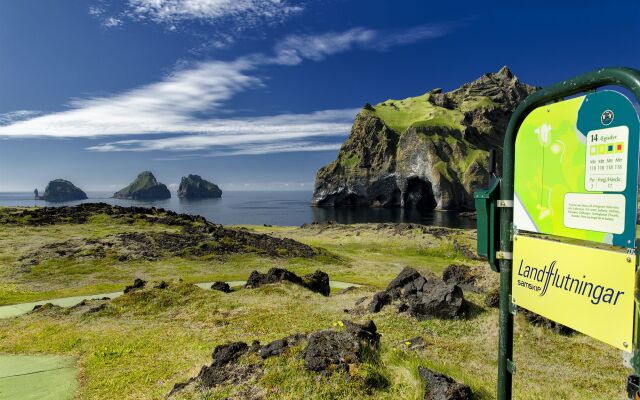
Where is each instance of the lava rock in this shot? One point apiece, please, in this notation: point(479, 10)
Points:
point(161, 285)
point(194, 187)
point(539, 320)
point(492, 299)
point(221, 286)
point(405, 276)
point(317, 282)
point(330, 350)
point(60, 190)
point(379, 300)
point(460, 275)
point(423, 298)
point(277, 347)
point(442, 387)
point(137, 284)
point(437, 300)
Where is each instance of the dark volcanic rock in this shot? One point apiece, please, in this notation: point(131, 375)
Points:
point(379, 300)
point(194, 187)
point(460, 275)
point(60, 190)
point(137, 284)
point(317, 282)
point(492, 299)
point(431, 161)
point(421, 297)
point(442, 387)
point(221, 286)
point(405, 276)
point(144, 187)
point(330, 350)
point(196, 236)
point(539, 320)
point(277, 347)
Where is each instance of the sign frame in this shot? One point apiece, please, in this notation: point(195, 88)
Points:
point(627, 78)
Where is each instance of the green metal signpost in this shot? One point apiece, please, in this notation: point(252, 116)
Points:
point(495, 211)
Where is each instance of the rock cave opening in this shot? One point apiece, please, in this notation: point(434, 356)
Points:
point(419, 194)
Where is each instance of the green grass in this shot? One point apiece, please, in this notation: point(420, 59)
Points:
point(145, 342)
point(416, 111)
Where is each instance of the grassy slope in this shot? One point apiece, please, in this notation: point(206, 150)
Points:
point(418, 112)
point(146, 342)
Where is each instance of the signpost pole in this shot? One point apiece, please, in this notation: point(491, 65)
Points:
point(625, 77)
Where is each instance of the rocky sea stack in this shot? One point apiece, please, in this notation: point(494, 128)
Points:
point(429, 151)
point(144, 187)
point(194, 187)
point(60, 190)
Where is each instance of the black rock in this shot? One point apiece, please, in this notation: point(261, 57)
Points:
point(161, 285)
point(421, 297)
point(317, 282)
point(137, 284)
point(437, 300)
point(442, 387)
point(538, 320)
point(459, 275)
point(405, 276)
point(379, 300)
point(329, 350)
point(492, 299)
point(60, 190)
point(226, 353)
point(221, 286)
point(194, 187)
point(277, 347)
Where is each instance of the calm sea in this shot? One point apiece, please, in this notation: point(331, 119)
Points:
point(258, 208)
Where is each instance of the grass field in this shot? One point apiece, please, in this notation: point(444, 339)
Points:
point(143, 343)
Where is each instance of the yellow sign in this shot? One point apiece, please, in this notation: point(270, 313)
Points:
point(587, 289)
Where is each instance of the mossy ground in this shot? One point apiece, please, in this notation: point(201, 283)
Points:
point(145, 342)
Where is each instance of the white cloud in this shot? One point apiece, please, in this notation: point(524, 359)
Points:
point(15, 116)
point(186, 107)
point(294, 48)
point(112, 22)
point(248, 11)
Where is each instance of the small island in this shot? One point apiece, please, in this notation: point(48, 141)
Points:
point(194, 187)
point(144, 187)
point(61, 190)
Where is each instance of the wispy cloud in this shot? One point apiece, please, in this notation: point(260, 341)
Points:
point(15, 116)
point(294, 48)
point(187, 106)
point(171, 11)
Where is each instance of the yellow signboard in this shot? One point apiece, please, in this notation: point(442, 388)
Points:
point(587, 289)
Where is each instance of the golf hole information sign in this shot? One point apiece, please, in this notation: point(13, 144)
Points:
point(576, 176)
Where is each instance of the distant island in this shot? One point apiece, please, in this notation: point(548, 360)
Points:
point(429, 151)
point(194, 187)
point(144, 187)
point(60, 190)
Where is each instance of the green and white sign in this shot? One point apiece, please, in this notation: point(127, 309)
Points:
point(576, 169)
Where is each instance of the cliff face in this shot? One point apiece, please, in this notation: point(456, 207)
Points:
point(60, 190)
point(194, 187)
point(144, 187)
point(429, 151)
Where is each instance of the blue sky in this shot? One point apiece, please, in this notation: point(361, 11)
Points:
point(256, 94)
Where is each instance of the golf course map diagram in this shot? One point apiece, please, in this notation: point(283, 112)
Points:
point(576, 169)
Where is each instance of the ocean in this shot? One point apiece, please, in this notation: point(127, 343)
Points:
point(285, 208)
